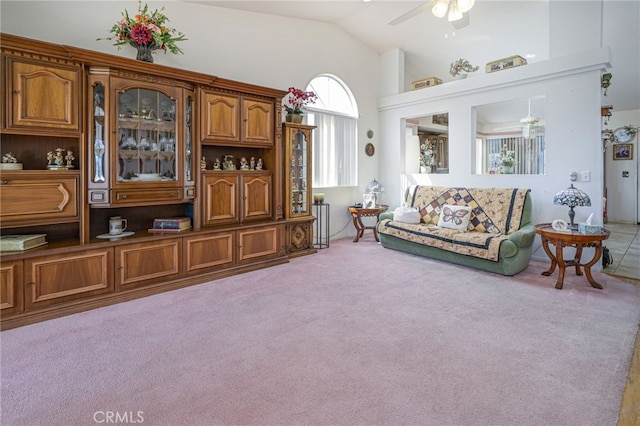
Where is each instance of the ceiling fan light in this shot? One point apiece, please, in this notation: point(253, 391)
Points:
point(454, 12)
point(465, 5)
point(440, 8)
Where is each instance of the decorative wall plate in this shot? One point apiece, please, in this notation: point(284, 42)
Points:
point(369, 149)
point(623, 135)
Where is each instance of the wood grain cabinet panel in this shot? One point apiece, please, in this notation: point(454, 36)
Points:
point(209, 252)
point(257, 122)
point(256, 197)
point(220, 117)
point(11, 287)
point(39, 197)
point(57, 278)
point(43, 96)
point(145, 263)
point(299, 237)
point(144, 197)
point(220, 204)
point(256, 243)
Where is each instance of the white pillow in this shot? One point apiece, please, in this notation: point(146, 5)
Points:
point(454, 217)
point(406, 214)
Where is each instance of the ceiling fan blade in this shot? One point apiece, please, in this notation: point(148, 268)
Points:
point(413, 12)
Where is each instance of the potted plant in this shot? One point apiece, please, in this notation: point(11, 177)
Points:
point(294, 101)
point(461, 67)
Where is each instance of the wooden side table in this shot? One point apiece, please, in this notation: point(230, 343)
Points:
point(570, 239)
point(357, 213)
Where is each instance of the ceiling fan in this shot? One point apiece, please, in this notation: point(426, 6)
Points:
point(457, 11)
point(529, 125)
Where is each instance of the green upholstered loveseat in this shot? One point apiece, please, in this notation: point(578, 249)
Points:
point(498, 239)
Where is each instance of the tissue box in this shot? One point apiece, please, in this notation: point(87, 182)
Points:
point(586, 229)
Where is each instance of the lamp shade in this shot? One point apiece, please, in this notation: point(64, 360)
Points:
point(465, 5)
point(440, 8)
point(374, 187)
point(454, 12)
point(572, 197)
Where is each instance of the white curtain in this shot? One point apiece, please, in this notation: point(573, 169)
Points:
point(334, 150)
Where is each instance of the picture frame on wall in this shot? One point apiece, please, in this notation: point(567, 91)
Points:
point(623, 151)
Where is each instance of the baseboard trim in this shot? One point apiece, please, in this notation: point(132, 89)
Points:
point(76, 306)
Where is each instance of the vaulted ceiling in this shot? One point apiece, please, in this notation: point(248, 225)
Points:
point(490, 31)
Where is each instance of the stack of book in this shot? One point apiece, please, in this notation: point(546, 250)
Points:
point(171, 224)
point(21, 242)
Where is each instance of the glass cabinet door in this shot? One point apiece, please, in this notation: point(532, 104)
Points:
point(98, 133)
point(299, 174)
point(146, 136)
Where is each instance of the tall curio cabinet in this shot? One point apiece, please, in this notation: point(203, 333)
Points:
point(297, 187)
point(140, 147)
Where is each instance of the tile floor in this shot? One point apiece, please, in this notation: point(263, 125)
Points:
point(624, 246)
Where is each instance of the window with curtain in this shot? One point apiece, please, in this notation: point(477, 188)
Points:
point(529, 154)
point(335, 139)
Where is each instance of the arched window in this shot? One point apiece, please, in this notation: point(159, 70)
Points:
point(335, 138)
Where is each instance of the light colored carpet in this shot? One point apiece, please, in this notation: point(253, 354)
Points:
point(353, 335)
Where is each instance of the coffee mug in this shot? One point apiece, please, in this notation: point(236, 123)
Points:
point(117, 225)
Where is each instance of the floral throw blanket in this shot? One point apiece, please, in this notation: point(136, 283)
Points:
point(496, 213)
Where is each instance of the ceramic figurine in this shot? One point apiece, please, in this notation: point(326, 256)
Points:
point(216, 164)
point(252, 163)
point(69, 159)
point(203, 163)
point(259, 165)
point(9, 158)
point(243, 164)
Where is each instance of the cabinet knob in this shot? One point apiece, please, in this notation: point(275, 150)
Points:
point(29, 282)
point(119, 268)
point(15, 92)
point(123, 196)
point(4, 181)
point(173, 194)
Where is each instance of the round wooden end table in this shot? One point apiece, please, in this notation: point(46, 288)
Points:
point(562, 239)
point(357, 213)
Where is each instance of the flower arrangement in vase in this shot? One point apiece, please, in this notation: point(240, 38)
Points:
point(147, 32)
point(295, 100)
point(427, 157)
point(507, 160)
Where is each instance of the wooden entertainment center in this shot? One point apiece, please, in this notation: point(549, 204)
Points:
point(143, 139)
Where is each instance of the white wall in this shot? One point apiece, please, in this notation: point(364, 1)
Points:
point(259, 49)
point(571, 85)
point(623, 194)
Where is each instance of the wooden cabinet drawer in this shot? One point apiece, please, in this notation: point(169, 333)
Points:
point(145, 196)
point(209, 252)
point(145, 263)
point(57, 278)
point(11, 287)
point(39, 197)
